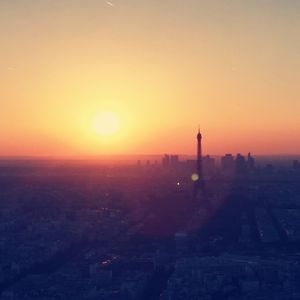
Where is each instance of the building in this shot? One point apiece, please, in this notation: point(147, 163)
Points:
point(166, 161)
point(250, 163)
point(174, 160)
point(227, 162)
point(240, 164)
point(208, 165)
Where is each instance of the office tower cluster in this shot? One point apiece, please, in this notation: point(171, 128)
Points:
point(238, 164)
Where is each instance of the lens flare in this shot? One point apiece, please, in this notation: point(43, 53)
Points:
point(195, 177)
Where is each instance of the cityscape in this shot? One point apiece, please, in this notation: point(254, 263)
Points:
point(204, 228)
point(149, 150)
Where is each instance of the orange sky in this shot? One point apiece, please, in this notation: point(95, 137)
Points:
point(162, 67)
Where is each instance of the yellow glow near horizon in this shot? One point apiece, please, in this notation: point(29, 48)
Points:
point(161, 67)
point(106, 123)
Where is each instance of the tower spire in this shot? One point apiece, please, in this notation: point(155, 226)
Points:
point(199, 154)
point(200, 183)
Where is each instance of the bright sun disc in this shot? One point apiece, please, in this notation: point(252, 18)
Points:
point(106, 123)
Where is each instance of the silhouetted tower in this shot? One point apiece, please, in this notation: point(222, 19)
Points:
point(199, 183)
point(199, 155)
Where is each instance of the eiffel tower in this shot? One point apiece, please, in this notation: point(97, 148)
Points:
point(200, 196)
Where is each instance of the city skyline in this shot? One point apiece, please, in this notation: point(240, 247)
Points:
point(149, 150)
point(86, 78)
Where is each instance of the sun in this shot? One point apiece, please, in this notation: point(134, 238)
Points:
point(106, 123)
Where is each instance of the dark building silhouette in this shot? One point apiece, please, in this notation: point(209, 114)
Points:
point(240, 164)
point(250, 163)
point(166, 161)
point(170, 160)
point(227, 162)
point(208, 164)
point(174, 160)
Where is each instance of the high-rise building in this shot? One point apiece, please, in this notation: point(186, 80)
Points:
point(250, 163)
point(166, 161)
point(227, 162)
point(240, 163)
point(208, 164)
point(174, 160)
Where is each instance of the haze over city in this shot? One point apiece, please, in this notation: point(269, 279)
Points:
point(149, 150)
point(137, 77)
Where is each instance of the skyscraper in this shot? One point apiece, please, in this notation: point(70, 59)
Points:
point(240, 164)
point(166, 161)
point(227, 162)
point(250, 163)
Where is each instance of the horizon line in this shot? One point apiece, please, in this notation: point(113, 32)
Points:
point(107, 156)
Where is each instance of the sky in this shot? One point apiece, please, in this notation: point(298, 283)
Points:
point(158, 69)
